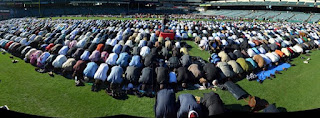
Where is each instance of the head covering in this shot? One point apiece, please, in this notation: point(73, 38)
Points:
point(193, 114)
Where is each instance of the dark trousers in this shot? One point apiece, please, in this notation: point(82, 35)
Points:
point(48, 67)
point(77, 74)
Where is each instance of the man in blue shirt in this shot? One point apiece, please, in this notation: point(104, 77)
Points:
point(115, 79)
point(90, 70)
point(123, 59)
point(135, 61)
point(117, 48)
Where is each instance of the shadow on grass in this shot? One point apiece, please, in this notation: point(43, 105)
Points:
point(237, 108)
point(122, 97)
point(282, 109)
point(103, 87)
point(261, 104)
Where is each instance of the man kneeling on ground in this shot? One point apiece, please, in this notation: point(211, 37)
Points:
point(115, 79)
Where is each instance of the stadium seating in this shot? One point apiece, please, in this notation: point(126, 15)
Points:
point(283, 16)
point(314, 18)
point(300, 17)
point(266, 15)
point(269, 14)
point(255, 14)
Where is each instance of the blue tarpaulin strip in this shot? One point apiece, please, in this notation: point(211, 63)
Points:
point(262, 75)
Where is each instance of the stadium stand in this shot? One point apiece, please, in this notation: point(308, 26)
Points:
point(314, 18)
point(298, 17)
point(266, 15)
point(269, 14)
point(283, 16)
point(256, 14)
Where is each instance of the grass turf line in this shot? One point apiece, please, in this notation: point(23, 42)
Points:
point(25, 90)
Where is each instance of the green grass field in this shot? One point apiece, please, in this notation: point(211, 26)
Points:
point(27, 91)
point(24, 90)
